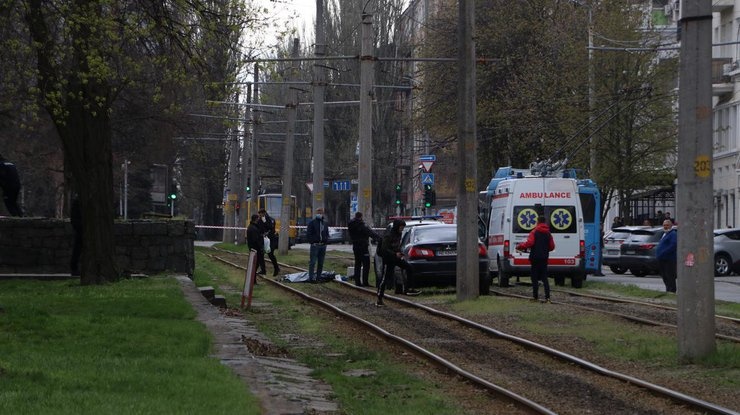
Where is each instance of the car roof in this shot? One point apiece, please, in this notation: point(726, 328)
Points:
point(629, 228)
point(725, 230)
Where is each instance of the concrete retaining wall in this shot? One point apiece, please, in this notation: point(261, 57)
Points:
point(41, 245)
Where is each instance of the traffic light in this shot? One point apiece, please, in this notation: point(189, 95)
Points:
point(428, 195)
point(249, 189)
point(173, 196)
point(398, 193)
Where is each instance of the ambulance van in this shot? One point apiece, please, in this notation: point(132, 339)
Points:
point(515, 202)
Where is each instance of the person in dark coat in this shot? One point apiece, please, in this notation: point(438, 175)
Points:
point(665, 253)
point(539, 243)
point(75, 218)
point(267, 226)
point(317, 234)
point(390, 251)
point(360, 234)
point(256, 241)
point(11, 185)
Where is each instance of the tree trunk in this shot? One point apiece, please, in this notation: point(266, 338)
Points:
point(87, 143)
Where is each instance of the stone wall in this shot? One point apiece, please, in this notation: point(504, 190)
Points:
point(41, 245)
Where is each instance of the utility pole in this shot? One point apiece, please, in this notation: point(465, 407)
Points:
point(232, 187)
point(365, 173)
point(255, 125)
point(695, 287)
point(467, 189)
point(243, 202)
point(285, 208)
point(319, 87)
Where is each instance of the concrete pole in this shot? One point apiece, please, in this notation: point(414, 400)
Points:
point(696, 328)
point(467, 188)
point(286, 207)
point(365, 169)
point(125, 189)
point(319, 87)
point(232, 187)
point(255, 129)
point(243, 202)
point(591, 101)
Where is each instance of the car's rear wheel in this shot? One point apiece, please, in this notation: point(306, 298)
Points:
point(638, 272)
point(722, 264)
point(617, 269)
point(401, 282)
point(485, 284)
point(559, 280)
point(503, 277)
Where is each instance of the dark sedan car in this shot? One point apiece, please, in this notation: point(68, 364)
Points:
point(637, 253)
point(431, 252)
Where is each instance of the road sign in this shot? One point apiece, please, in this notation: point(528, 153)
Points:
point(427, 178)
point(310, 185)
point(427, 165)
point(341, 185)
point(428, 157)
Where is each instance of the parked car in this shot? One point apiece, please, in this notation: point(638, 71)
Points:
point(638, 252)
point(613, 240)
point(726, 251)
point(411, 222)
point(431, 252)
point(336, 236)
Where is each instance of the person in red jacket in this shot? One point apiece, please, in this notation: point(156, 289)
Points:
point(539, 243)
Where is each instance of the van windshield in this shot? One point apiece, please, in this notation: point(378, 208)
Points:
point(562, 219)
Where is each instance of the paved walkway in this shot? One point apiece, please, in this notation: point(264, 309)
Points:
point(282, 385)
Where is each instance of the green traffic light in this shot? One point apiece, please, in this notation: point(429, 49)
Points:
point(427, 204)
point(173, 196)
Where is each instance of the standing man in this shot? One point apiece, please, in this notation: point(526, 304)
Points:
point(359, 233)
point(666, 255)
point(257, 242)
point(390, 250)
point(539, 243)
point(11, 185)
point(317, 233)
point(267, 227)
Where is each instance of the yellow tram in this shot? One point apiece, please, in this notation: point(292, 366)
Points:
point(272, 203)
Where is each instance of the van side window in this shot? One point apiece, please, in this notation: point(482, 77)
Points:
point(562, 219)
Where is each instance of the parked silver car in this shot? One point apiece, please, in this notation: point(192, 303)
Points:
point(613, 240)
point(726, 251)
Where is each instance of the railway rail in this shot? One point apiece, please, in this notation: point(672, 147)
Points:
point(537, 378)
point(647, 313)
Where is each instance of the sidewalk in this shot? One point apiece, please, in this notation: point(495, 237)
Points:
point(283, 385)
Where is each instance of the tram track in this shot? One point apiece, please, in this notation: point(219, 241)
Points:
point(516, 368)
point(659, 315)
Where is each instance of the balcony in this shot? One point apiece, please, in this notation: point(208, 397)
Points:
point(718, 6)
point(723, 69)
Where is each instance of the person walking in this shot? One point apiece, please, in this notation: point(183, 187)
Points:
point(390, 250)
point(11, 185)
point(360, 233)
point(317, 234)
point(257, 242)
point(539, 243)
point(75, 218)
point(666, 255)
point(267, 226)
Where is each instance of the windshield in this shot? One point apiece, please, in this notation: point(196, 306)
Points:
point(435, 234)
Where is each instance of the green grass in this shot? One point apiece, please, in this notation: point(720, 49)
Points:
point(611, 337)
point(129, 347)
point(392, 389)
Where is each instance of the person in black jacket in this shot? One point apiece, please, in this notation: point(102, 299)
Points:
point(11, 185)
point(256, 241)
point(539, 243)
point(317, 233)
point(359, 233)
point(75, 218)
point(267, 226)
point(390, 250)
